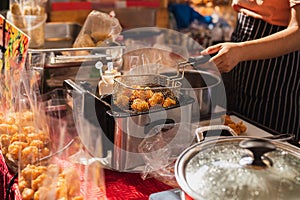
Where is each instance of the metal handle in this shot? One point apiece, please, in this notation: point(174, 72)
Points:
point(159, 122)
point(201, 133)
point(284, 137)
point(258, 148)
point(199, 60)
point(194, 61)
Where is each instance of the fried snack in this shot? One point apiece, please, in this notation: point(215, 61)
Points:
point(156, 99)
point(27, 194)
point(15, 9)
point(142, 99)
point(169, 102)
point(98, 36)
point(4, 140)
point(140, 105)
point(30, 18)
point(97, 28)
point(239, 127)
point(20, 141)
point(85, 41)
point(8, 129)
point(29, 154)
point(141, 93)
point(52, 182)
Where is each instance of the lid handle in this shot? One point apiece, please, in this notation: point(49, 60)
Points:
point(258, 147)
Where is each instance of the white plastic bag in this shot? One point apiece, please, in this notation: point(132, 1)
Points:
point(98, 27)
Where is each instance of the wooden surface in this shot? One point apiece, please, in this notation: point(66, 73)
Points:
point(77, 16)
point(128, 17)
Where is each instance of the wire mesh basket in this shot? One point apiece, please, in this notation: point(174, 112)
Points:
point(158, 91)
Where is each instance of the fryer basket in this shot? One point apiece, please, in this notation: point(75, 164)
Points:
point(126, 84)
point(164, 82)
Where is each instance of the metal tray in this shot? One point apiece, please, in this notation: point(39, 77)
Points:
point(61, 35)
point(58, 50)
point(59, 61)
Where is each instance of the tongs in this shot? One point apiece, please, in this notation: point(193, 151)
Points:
point(194, 61)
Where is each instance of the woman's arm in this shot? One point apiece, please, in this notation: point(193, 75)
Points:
point(230, 54)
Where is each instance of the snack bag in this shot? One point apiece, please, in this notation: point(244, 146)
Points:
point(160, 149)
point(98, 27)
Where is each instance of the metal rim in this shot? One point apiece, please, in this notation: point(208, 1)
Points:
point(190, 152)
point(217, 78)
point(174, 84)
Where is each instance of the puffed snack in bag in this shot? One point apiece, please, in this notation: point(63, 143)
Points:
point(98, 27)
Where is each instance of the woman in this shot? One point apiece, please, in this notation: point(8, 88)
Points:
point(263, 63)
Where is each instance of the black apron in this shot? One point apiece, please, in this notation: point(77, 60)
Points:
point(266, 91)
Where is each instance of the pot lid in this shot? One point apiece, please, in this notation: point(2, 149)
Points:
point(235, 168)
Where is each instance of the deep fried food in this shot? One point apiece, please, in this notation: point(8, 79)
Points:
point(99, 36)
point(140, 105)
point(18, 137)
point(169, 102)
point(37, 183)
point(31, 172)
point(38, 143)
point(238, 128)
point(4, 140)
point(8, 129)
point(138, 97)
point(156, 99)
point(141, 93)
point(27, 194)
point(21, 139)
point(15, 149)
point(84, 40)
point(1, 117)
point(30, 154)
point(52, 182)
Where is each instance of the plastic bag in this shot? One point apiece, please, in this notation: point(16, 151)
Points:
point(97, 28)
point(161, 149)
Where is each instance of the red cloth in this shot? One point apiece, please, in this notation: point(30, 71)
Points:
point(5, 177)
point(125, 186)
point(119, 185)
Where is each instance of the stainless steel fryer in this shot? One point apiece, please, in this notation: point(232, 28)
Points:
point(122, 131)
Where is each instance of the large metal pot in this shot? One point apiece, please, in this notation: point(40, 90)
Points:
point(239, 168)
point(202, 86)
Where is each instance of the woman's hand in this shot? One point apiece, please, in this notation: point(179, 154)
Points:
point(228, 55)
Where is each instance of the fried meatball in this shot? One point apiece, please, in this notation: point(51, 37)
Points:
point(31, 172)
point(8, 129)
point(15, 149)
point(44, 152)
point(156, 99)
point(23, 184)
point(38, 182)
point(4, 140)
point(169, 102)
point(27, 194)
point(30, 154)
point(140, 105)
point(238, 128)
point(38, 143)
point(28, 129)
point(18, 137)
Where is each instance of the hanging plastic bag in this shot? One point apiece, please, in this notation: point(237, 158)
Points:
point(97, 28)
point(161, 149)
